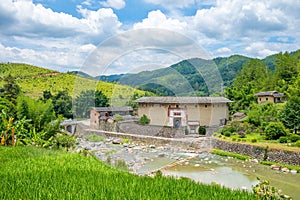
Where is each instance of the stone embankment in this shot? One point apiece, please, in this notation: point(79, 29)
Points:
point(261, 153)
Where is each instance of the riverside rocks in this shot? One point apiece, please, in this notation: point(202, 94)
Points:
point(135, 155)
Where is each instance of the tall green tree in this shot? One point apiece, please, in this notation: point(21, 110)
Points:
point(88, 99)
point(290, 115)
point(254, 77)
point(62, 104)
point(11, 90)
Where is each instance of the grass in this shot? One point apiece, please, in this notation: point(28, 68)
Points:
point(95, 138)
point(281, 165)
point(273, 144)
point(230, 154)
point(34, 173)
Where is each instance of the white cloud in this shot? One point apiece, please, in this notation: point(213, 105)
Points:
point(172, 3)
point(116, 4)
point(157, 19)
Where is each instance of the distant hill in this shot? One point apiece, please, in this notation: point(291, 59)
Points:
point(111, 78)
point(188, 77)
point(82, 74)
point(34, 80)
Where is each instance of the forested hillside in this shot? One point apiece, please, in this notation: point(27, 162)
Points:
point(34, 80)
point(189, 77)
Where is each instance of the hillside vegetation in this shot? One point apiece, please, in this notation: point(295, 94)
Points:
point(34, 173)
point(34, 80)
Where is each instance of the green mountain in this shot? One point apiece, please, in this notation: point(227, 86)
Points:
point(189, 77)
point(34, 80)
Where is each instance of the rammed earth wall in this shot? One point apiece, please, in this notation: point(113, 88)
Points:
point(261, 153)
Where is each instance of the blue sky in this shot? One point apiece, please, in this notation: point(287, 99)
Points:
point(69, 34)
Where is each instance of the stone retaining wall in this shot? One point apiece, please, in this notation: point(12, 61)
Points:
point(261, 153)
point(196, 144)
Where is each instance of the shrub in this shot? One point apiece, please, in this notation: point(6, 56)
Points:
point(233, 139)
point(274, 130)
point(202, 130)
point(294, 137)
point(144, 120)
point(227, 134)
point(253, 140)
point(65, 140)
point(118, 117)
point(283, 139)
point(297, 144)
point(94, 138)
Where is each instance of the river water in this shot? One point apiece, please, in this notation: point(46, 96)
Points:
point(204, 167)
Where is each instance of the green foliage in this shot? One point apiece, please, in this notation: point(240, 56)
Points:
point(269, 163)
point(290, 115)
point(88, 99)
point(34, 173)
point(64, 140)
point(40, 113)
point(118, 117)
point(294, 137)
point(283, 139)
point(251, 79)
point(121, 165)
point(11, 90)
point(94, 138)
point(253, 140)
point(62, 103)
point(274, 130)
point(202, 130)
point(230, 154)
point(144, 120)
point(297, 144)
point(263, 190)
point(263, 113)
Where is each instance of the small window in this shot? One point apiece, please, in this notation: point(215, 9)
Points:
point(259, 99)
point(205, 106)
point(267, 99)
point(177, 106)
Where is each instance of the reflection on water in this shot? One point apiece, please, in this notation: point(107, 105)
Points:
point(233, 173)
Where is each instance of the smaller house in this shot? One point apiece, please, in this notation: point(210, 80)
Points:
point(269, 96)
point(98, 114)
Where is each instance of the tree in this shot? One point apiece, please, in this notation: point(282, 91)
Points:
point(254, 77)
point(62, 104)
point(144, 120)
point(290, 115)
point(260, 114)
point(285, 68)
point(88, 99)
point(11, 90)
point(275, 130)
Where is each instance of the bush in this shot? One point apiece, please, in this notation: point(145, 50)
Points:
point(227, 134)
point(95, 138)
point(65, 140)
point(202, 130)
point(297, 144)
point(253, 140)
point(274, 130)
point(294, 137)
point(283, 139)
point(241, 134)
point(144, 120)
point(118, 117)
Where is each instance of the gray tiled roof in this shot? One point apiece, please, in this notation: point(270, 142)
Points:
point(270, 93)
point(112, 109)
point(183, 100)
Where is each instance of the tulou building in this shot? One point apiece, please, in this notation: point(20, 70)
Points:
point(190, 112)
